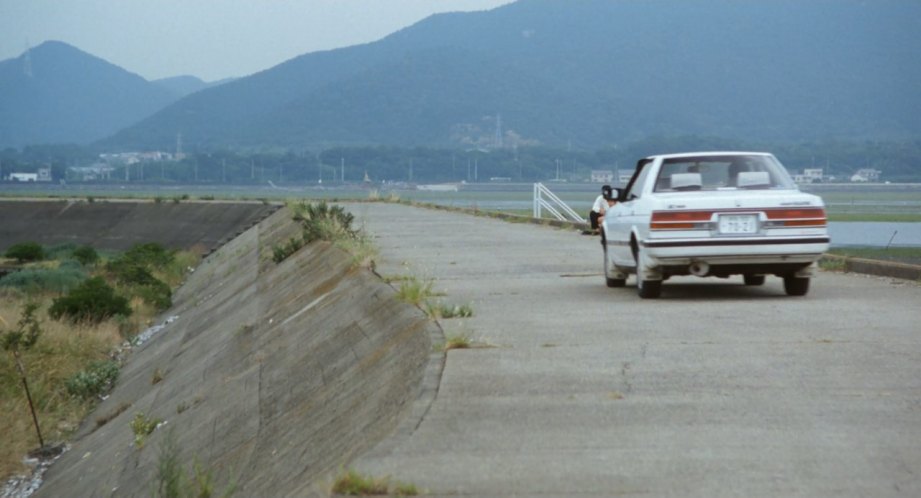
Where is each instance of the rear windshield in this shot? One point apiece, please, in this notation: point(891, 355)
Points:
point(742, 172)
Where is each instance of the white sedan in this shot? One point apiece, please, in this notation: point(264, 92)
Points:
point(713, 214)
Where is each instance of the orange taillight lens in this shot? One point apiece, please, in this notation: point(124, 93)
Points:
point(802, 217)
point(678, 220)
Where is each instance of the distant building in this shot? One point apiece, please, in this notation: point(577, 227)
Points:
point(624, 176)
point(44, 174)
point(814, 175)
point(602, 176)
point(137, 157)
point(23, 177)
point(98, 171)
point(809, 175)
point(866, 175)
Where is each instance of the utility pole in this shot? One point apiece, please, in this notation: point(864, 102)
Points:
point(224, 170)
point(342, 170)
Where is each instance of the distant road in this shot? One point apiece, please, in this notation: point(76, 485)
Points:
point(715, 389)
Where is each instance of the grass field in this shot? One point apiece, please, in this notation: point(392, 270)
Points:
point(911, 255)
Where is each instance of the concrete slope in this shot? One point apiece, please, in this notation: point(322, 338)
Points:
point(716, 389)
point(118, 225)
point(276, 375)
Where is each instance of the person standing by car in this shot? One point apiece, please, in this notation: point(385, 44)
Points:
point(602, 202)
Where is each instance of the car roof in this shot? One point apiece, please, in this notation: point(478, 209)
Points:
point(711, 153)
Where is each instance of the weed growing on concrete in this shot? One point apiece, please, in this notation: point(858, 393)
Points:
point(172, 481)
point(459, 341)
point(281, 253)
point(105, 419)
point(446, 311)
point(157, 377)
point(142, 426)
point(323, 222)
point(389, 279)
point(353, 483)
point(414, 291)
point(833, 264)
point(405, 489)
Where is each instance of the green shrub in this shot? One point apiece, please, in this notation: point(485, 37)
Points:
point(151, 255)
point(134, 269)
point(60, 252)
point(281, 253)
point(86, 255)
point(59, 280)
point(128, 272)
point(94, 381)
point(157, 294)
point(322, 222)
point(26, 251)
point(92, 301)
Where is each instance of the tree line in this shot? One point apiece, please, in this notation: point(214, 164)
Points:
point(899, 162)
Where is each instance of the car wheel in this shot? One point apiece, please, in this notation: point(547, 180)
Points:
point(754, 279)
point(647, 289)
point(796, 286)
point(611, 282)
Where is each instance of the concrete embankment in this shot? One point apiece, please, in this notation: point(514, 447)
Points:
point(118, 225)
point(274, 375)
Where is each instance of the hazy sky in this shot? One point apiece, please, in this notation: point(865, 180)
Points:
point(211, 39)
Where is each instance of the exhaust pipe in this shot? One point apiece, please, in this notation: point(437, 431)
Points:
point(699, 268)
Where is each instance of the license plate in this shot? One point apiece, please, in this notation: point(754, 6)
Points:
point(738, 224)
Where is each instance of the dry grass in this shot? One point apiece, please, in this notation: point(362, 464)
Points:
point(61, 351)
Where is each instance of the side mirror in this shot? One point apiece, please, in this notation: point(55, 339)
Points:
point(618, 194)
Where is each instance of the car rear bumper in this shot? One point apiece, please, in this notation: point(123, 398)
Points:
point(736, 251)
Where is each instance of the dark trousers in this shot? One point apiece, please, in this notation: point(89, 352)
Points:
point(593, 218)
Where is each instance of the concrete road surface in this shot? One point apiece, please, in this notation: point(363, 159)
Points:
point(716, 389)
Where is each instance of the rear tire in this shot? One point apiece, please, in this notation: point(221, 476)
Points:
point(649, 289)
point(611, 282)
point(796, 286)
point(615, 282)
point(754, 279)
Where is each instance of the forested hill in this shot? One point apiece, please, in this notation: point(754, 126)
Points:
point(56, 93)
point(583, 72)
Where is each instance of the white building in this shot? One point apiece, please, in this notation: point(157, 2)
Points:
point(602, 176)
point(23, 177)
point(866, 175)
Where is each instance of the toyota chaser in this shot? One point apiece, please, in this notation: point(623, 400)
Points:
point(713, 214)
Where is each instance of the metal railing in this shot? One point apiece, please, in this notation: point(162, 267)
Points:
point(545, 199)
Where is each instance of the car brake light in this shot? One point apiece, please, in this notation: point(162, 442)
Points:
point(679, 220)
point(802, 217)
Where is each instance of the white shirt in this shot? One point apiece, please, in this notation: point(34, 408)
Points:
point(600, 204)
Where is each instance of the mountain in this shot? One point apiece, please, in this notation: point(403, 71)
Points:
point(55, 93)
point(585, 73)
point(186, 84)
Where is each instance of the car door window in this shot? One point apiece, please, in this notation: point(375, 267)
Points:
point(636, 184)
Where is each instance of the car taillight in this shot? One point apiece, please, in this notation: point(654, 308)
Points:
point(800, 217)
point(679, 220)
